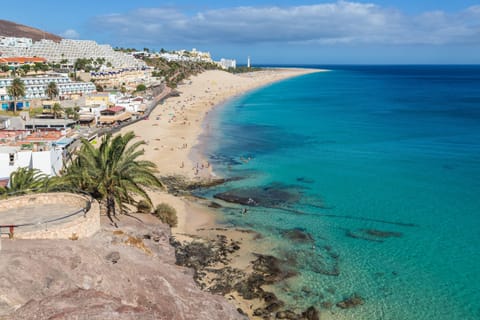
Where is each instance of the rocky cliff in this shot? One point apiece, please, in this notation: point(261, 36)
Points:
point(124, 273)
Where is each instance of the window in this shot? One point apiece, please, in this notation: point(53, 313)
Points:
point(11, 157)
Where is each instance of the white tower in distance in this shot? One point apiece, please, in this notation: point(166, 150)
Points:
point(248, 62)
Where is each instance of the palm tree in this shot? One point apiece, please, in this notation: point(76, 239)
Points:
point(52, 90)
point(16, 90)
point(57, 110)
point(70, 113)
point(113, 173)
point(26, 179)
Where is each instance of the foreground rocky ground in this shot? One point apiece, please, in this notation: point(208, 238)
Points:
point(124, 273)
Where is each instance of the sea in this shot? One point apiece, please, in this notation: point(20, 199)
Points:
point(366, 179)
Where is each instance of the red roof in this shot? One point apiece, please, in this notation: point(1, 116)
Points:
point(44, 136)
point(22, 60)
point(4, 182)
point(116, 109)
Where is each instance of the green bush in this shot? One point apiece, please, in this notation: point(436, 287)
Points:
point(167, 214)
point(143, 206)
point(141, 87)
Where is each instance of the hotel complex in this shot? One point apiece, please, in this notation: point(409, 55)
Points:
point(38, 142)
point(67, 50)
point(35, 88)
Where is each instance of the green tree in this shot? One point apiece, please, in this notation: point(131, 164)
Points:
point(44, 67)
point(16, 90)
point(52, 90)
point(141, 87)
point(57, 110)
point(37, 66)
point(113, 172)
point(80, 64)
point(25, 68)
point(5, 68)
point(72, 114)
point(26, 179)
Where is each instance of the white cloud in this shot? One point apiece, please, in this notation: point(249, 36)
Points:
point(328, 23)
point(70, 34)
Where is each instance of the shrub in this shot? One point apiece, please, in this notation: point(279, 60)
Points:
point(167, 214)
point(143, 206)
point(141, 87)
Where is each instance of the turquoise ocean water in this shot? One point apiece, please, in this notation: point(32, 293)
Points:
point(363, 150)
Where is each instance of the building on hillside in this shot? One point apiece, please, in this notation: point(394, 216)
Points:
point(15, 62)
point(63, 125)
point(35, 88)
point(7, 102)
point(22, 149)
point(184, 55)
point(18, 42)
point(69, 50)
point(227, 63)
point(49, 161)
point(114, 115)
point(90, 114)
point(134, 105)
point(104, 98)
point(125, 77)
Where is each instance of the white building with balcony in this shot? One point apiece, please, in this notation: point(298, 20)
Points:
point(69, 50)
point(35, 88)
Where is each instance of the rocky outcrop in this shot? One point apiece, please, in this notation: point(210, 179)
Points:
point(351, 302)
point(124, 273)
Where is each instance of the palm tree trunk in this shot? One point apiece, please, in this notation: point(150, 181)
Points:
point(111, 209)
point(14, 105)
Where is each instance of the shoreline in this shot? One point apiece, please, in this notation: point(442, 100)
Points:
point(174, 127)
point(173, 133)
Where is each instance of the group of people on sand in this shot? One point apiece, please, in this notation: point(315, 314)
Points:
point(198, 167)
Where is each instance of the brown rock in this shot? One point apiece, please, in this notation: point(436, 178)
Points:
point(113, 257)
point(41, 283)
point(351, 302)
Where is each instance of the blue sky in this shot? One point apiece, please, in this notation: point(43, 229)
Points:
point(309, 32)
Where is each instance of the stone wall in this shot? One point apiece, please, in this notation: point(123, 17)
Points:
point(83, 224)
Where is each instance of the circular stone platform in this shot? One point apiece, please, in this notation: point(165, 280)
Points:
point(49, 216)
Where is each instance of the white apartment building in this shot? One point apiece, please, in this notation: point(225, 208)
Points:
point(48, 161)
point(68, 49)
point(131, 104)
point(18, 42)
point(35, 88)
point(184, 55)
point(227, 63)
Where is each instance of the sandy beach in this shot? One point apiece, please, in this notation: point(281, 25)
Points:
point(171, 132)
point(174, 127)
